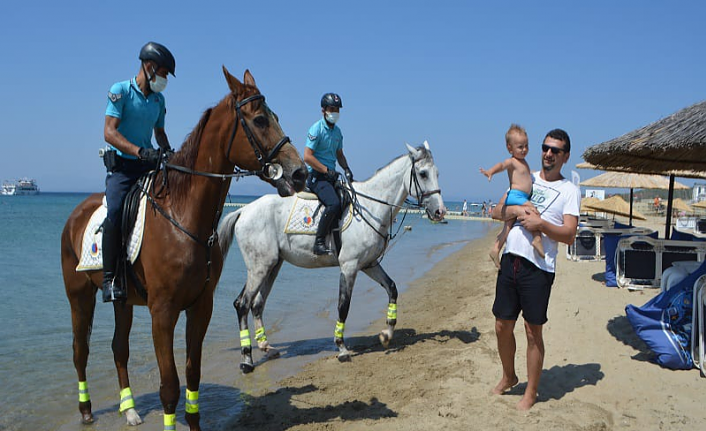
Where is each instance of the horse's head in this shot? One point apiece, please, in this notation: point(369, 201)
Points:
point(425, 182)
point(262, 146)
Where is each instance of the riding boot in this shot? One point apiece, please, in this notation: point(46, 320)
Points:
point(327, 219)
point(112, 291)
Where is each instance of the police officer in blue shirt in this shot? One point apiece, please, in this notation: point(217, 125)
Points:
point(324, 146)
point(135, 111)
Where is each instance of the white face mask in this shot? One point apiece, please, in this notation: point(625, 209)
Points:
point(159, 84)
point(332, 117)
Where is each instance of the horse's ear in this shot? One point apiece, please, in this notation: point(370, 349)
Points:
point(426, 145)
point(413, 151)
point(248, 79)
point(233, 83)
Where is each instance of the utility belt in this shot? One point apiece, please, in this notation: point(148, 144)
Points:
point(113, 162)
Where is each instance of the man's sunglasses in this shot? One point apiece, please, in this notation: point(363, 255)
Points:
point(554, 150)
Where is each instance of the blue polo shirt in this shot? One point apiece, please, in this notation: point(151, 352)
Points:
point(325, 143)
point(139, 115)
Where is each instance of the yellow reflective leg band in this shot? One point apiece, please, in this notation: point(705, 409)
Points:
point(392, 311)
point(338, 332)
point(245, 338)
point(192, 401)
point(260, 336)
point(83, 395)
point(126, 401)
point(170, 422)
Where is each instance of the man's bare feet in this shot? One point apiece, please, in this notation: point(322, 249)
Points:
point(526, 402)
point(504, 385)
point(495, 257)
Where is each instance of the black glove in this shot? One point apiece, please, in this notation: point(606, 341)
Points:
point(149, 155)
point(349, 174)
point(331, 175)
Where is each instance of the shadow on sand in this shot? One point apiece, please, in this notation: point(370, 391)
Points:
point(620, 328)
point(561, 380)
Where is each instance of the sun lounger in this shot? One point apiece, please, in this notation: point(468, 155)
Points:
point(610, 238)
point(587, 246)
point(640, 261)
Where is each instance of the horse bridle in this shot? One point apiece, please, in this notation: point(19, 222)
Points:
point(271, 171)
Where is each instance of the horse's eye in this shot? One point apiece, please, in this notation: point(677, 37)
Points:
point(424, 175)
point(261, 121)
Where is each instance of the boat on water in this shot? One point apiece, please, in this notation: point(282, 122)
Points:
point(21, 187)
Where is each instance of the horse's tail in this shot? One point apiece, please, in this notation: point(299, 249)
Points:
point(226, 231)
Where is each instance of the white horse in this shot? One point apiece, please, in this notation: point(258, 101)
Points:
point(260, 230)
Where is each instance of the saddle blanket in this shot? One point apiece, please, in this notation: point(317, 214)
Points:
point(301, 217)
point(91, 246)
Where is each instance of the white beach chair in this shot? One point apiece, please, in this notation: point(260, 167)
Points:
point(677, 272)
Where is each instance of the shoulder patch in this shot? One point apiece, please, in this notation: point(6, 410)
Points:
point(312, 137)
point(114, 97)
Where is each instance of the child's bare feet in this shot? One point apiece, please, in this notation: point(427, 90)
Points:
point(537, 244)
point(504, 385)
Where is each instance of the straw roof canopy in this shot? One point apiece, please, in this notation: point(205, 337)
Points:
point(587, 202)
point(701, 204)
point(615, 205)
point(680, 205)
point(673, 145)
point(631, 181)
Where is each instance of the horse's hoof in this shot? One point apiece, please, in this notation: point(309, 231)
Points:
point(133, 419)
point(384, 339)
point(87, 418)
point(271, 353)
point(246, 368)
point(344, 357)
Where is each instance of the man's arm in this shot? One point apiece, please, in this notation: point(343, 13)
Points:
point(503, 213)
point(116, 139)
point(312, 161)
point(161, 137)
point(565, 233)
point(341, 159)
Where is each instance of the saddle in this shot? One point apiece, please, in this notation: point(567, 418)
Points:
point(306, 212)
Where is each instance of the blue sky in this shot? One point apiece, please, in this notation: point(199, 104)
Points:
point(455, 73)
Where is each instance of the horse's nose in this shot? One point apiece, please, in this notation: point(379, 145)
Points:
point(299, 178)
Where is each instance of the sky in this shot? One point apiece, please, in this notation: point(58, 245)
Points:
point(454, 73)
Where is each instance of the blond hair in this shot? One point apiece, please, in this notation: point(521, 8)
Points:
point(514, 129)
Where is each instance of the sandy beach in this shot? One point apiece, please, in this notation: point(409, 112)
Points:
point(443, 362)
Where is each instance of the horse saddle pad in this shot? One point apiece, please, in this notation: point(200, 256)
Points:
point(91, 246)
point(304, 217)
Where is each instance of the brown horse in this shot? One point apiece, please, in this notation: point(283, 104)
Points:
point(180, 261)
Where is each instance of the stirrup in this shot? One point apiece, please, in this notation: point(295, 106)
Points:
point(113, 293)
point(321, 250)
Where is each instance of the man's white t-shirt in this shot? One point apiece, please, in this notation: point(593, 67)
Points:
point(553, 200)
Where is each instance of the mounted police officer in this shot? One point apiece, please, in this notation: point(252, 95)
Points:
point(324, 146)
point(136, 109)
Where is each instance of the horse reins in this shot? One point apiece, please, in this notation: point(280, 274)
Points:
point(258, 150)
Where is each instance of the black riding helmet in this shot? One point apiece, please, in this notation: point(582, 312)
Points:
point(158, 53)
point(331, 99)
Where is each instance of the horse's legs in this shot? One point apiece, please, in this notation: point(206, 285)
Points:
point(378, 274)
point(256, 279)
point(258, 308)
point(197, 320)
point(345, 291)
point(121, 355)
point(164, 320)
point(82, 298)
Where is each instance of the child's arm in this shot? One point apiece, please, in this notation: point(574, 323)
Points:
point(498, 167)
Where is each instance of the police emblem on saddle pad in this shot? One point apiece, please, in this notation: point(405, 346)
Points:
point(304, 217)
point(91, 246)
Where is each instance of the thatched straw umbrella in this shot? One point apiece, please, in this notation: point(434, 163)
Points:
point(586, 204)
point(674, 146)
point(616, 205)
point(680, 205)
point(624, 180)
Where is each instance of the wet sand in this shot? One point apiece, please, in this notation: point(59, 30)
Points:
point(443, 362)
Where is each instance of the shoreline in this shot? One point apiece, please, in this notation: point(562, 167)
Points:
point(442, 363)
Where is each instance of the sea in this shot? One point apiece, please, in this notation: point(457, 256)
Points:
point(36, 366)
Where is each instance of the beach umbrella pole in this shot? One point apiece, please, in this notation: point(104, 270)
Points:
point(669, 207)
point(630, 219)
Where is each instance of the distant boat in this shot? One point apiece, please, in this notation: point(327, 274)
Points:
point(21, 187)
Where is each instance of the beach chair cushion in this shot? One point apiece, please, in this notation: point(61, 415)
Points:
point(664, 323)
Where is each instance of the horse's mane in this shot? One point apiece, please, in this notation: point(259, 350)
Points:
point(424, 151)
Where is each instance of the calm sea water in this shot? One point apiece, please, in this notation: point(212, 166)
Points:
point(36, 368)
